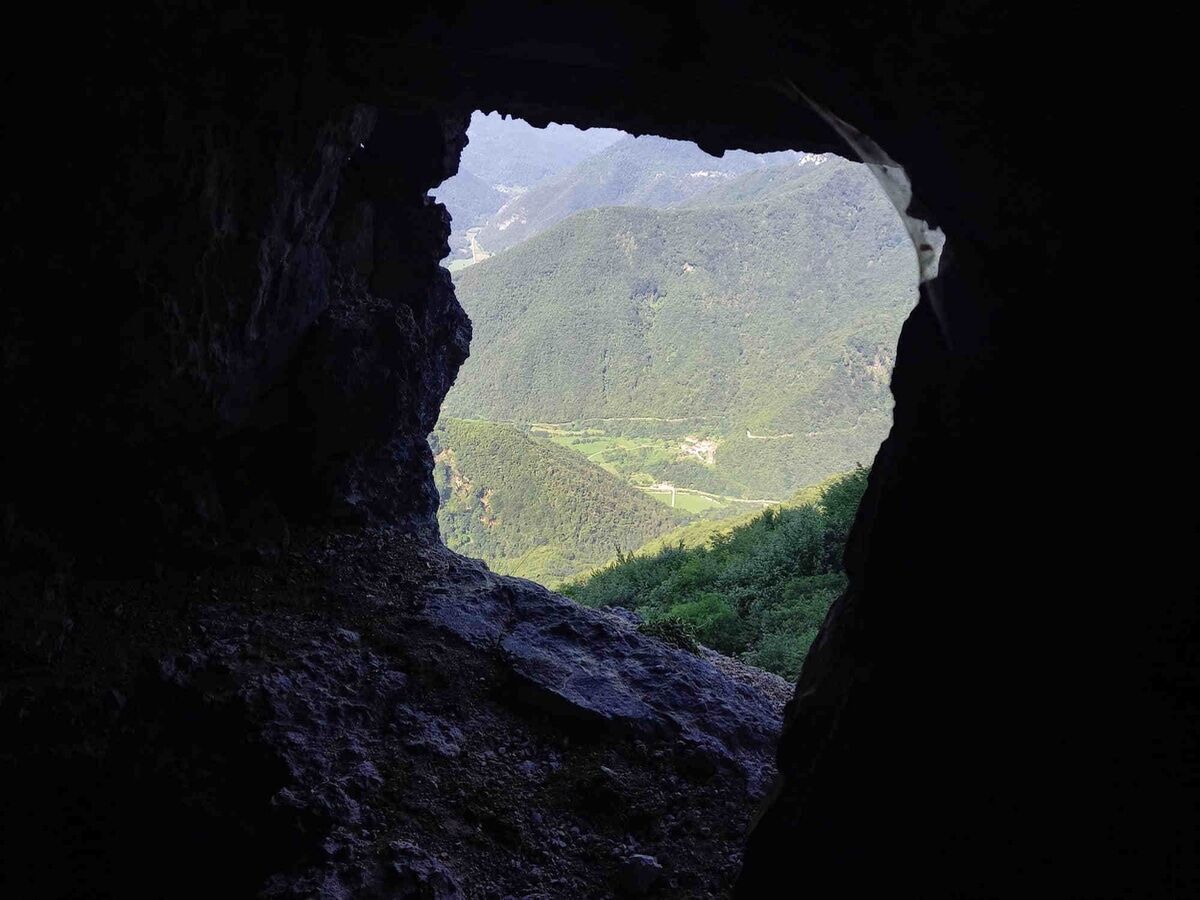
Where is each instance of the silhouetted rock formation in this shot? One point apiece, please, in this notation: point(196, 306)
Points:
point(234, 657)
point(372, 715)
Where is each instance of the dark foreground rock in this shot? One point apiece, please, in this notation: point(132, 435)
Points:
point(639, 873)
point(419, 727)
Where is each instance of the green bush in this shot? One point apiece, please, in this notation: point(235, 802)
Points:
point(760, 591)
point(673, 631)
point(713, 620)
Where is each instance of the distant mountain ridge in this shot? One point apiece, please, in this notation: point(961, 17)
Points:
point(470, 199)
point(503, 158)
point(645, 171)
point(503, 151)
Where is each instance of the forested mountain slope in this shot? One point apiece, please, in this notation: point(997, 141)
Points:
point(645, 171)
point(470, 199)
point(769, 306)
point(509, 152)
point(531, 508)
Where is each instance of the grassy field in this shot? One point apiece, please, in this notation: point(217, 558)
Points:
point(596, 448)
point(609, 451)
point(688, 502)
point(647, 452)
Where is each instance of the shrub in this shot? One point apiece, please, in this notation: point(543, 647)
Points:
point(673, 631)
point(761, 590)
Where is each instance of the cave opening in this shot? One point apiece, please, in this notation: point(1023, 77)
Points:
point(595, 708)
point(678, 375)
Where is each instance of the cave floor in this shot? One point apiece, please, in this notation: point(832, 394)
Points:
point(369, 713)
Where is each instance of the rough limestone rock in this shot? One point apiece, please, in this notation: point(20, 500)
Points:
point(396, 721)
point(639, 872)
point(596, 669)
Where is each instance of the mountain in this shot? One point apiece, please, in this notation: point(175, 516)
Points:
point(469, 198)
point(508, 152)
point(641, 171)
point(531, 508)
point(765, 311)
point(503, 158)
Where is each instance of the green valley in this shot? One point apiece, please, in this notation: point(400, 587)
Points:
point(759, 320)
point(676, 360)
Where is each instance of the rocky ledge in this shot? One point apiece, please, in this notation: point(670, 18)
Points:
point(375, 716)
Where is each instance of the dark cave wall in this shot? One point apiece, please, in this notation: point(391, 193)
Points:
point(235, 328)
point(257, 329)
point(257, 333)
point(237, 319)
